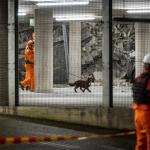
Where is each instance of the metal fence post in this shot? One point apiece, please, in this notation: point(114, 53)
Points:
point(107, 54)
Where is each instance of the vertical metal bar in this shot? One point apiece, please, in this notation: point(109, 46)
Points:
point(107, 54)
point(110, 56)
point(16, 55)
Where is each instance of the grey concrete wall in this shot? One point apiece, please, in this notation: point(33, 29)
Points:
point(3, 52)
point(120, 118)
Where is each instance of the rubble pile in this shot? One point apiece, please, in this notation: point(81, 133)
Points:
point(123, 48)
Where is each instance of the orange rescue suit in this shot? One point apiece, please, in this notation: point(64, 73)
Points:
point(29, 66)
point(142, 122)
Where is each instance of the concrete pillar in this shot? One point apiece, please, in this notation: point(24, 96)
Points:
point(107, 54)
point(74, 51)
point(11, 52)
point(142, 45)
point(43, 50)
point(3, 52)
point(66, 48)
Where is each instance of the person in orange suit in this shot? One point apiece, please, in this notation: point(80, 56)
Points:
point(29, 66)
point(33, 37)
point(141, 106)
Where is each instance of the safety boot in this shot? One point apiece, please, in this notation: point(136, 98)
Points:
point(22, 87)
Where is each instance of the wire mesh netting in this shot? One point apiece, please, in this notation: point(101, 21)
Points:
point(67, 49)
point(130, 44)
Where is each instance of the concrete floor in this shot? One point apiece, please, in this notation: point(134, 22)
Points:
point(66, 96)
point(16, 127)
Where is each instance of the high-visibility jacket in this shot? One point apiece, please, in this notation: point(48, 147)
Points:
point(29, 77)
point(142, 122)
point(143, 106)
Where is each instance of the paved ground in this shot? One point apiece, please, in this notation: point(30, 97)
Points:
point(20, 127)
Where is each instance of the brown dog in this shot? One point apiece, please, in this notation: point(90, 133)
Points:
point(84, 85)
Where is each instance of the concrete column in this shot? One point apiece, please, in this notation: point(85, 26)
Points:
point(11, 52)
point(3, 52)
point(107, 54)
point(43, 50)
point(74, 51)
point(142, 45)
point(66, 48)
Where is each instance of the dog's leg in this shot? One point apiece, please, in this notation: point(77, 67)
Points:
point(81, 89)
point(88, 89)
point(75, 89)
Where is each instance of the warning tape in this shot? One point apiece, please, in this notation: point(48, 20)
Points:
point(116, 134)
point(56, 138)
point(19, 140)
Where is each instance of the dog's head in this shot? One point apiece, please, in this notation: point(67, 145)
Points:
point(91, 78)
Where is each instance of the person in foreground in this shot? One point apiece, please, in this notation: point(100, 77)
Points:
point(141, 106)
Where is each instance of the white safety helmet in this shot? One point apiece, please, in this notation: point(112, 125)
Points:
point(146, 58)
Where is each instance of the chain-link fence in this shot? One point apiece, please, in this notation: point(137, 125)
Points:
point(130, 44)
point(65, 64)
point(67, 52)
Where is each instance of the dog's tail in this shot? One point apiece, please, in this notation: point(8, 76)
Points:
point(71, 84)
